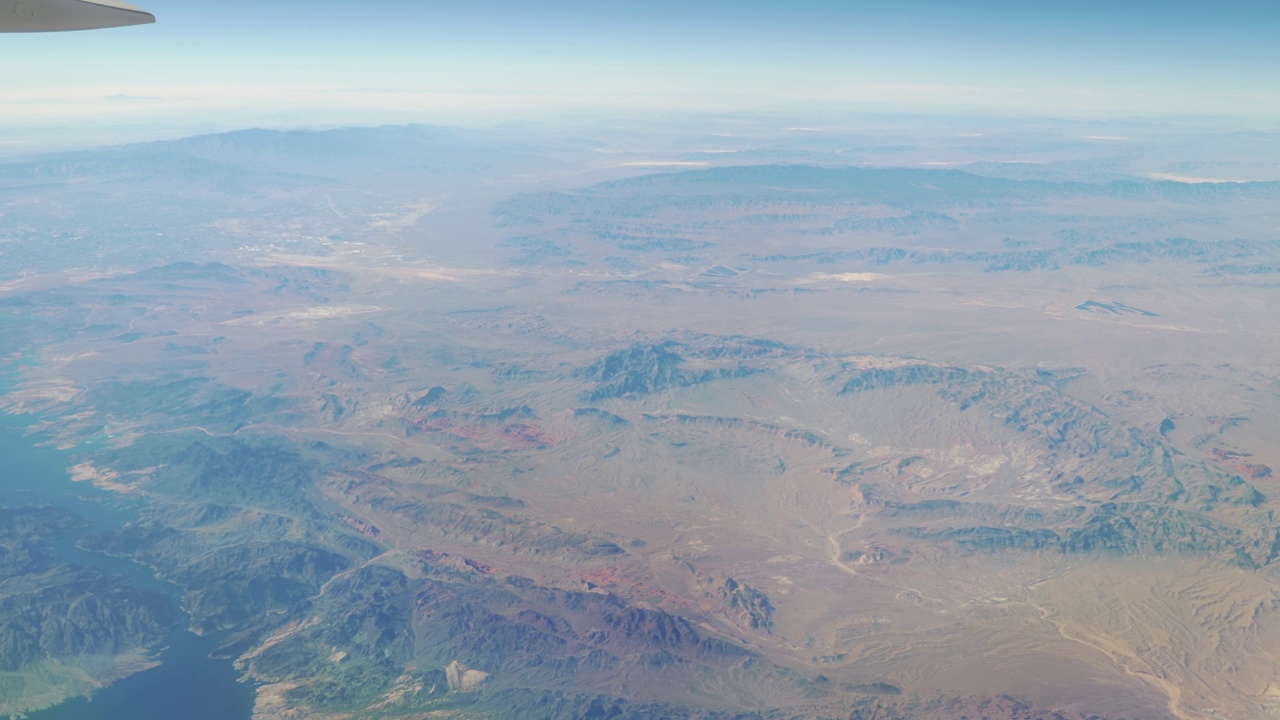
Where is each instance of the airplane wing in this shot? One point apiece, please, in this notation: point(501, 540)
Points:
point(59, 15)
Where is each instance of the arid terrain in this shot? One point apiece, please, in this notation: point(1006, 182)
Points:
point(753, 423)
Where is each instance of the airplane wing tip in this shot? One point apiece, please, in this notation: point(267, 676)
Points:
point(26, 16)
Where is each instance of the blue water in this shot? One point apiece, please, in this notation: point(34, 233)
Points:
point(187, 685)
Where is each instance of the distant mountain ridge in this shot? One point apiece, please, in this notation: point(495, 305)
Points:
point(232, 158)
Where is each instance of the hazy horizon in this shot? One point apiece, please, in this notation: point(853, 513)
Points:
point(236, 64)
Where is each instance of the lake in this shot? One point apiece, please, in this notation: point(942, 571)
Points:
point(187, 684)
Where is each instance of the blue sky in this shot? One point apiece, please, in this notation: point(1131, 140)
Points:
point(241, 62)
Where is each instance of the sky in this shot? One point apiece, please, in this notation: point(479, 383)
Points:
point(283, 62)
